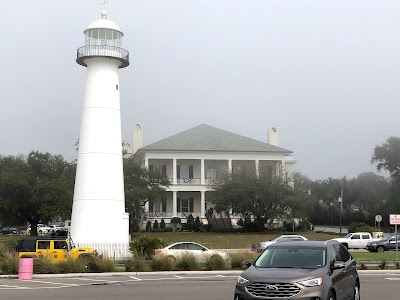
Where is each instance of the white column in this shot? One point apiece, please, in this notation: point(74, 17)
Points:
point(146, 208)
point(202, 204)
point(146, 162)
point(174, 204)
point(174, 171)
point(202, 179)
point(230, 166)
point(257, 165)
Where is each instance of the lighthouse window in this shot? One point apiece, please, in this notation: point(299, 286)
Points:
point(102, 33)
point(108, 34)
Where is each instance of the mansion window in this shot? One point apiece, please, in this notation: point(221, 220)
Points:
point(184, 171)
point(185, 204)
point(162, 169)
point(158, 206)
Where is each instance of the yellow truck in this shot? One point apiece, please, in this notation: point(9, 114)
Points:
point(55, 248)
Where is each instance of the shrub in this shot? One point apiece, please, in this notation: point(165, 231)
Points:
point(168, 229)
point(72, 266)
point(148, 226)
point(164, 263)
point(135, 265)
point(190, 219)
point(98, 264)
point(187, 263)
point(237, 262)
point(145, 245)
point(162, 224)
point(382, 265)
point(360, 227)
point(8, 261)
point(397, 265)
point(363, 266)
point(44, 266)
point(11, 243)
point(155, 224)
point(215, 262)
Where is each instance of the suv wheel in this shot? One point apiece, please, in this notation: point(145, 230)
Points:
point(380, 249)
point(331, 296)
point(356, 295)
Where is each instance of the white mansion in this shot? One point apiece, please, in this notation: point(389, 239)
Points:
point(193, 159)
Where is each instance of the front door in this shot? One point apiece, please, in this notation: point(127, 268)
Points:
point(59, 251)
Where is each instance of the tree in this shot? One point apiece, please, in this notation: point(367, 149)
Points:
point(265, 197)
point(36, 188)
point(141, 185)
point(388, 157)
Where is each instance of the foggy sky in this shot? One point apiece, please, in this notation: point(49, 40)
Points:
point(324, 73)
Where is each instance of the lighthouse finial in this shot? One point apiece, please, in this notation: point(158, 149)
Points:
point(104, 13)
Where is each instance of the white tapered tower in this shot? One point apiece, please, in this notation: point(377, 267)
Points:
point(98, 212)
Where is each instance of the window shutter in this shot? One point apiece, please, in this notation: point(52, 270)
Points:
point(164, 169)
point(178, 171)
point(178, 203)
point(190, 171)
point(191, 204)
point(151, 206)
point(151, 167)
point(164, 205)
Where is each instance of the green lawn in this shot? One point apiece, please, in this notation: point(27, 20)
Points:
point(374, 256)
point(214, 240)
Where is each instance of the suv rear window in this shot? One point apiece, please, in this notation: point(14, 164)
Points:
point(26, 246)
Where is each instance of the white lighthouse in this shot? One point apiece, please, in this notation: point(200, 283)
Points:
point(98, 212)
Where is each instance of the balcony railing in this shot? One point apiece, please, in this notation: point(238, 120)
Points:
point(102, 51)
point(188, 181)
point(171, 215)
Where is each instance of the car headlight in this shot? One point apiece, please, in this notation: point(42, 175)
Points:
point(311, 282)
point(242, 280)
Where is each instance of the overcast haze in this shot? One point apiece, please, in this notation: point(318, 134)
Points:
point(324, 73)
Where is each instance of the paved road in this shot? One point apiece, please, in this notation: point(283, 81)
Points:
point(177, 287)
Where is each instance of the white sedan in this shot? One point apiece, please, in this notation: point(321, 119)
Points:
point(177, 250)
point(41, 229)
point(282, 238)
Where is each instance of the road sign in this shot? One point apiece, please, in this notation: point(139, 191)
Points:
point(394, 219)
point(378, 218)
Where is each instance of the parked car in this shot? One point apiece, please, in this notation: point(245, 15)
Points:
point(56, 249)
point(282, 238)
point(56, 228)
point(387, 243)
point(10, 230)
point(300, 270)
point(356, 240)
point(177, 250)
point(41, 229)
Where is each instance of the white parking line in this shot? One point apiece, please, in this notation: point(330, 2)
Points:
point(56, 283)
point(137, 279)
point(392, 278)
point(12, 286)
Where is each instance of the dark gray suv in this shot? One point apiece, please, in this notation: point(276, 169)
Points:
point(306, 270)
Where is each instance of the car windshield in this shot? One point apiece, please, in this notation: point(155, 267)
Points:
point(348, 235)
point(292, 257)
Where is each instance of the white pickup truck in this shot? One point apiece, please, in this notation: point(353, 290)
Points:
point(356, 240)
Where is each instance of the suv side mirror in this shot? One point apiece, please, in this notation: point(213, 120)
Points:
point(338, 265)
point(249, 262)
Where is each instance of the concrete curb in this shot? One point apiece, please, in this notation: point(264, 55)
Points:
point(172, 273)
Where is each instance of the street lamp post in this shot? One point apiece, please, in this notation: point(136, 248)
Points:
point(340, 200)
point(331, 213)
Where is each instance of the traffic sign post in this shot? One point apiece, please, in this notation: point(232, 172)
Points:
point(395, 220)
point(378, 219)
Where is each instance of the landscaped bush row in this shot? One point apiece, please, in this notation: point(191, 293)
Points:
point(9, 263)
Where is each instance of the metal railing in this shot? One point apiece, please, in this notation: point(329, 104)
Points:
point(102, 51)
point(109, 250)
